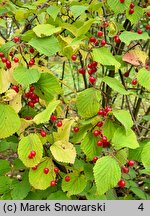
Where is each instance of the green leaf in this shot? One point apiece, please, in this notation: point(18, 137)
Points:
point(21, 189)
point(59, 195)
point(26, 145)
point(138, 192)
point(47, 87)
point(124, 138)
point(5, 184)
point(53, 11)
point(135, 17)
point(127, 37)
point(4, 81)
point(89, 146)
point(44, 116)
point(105, 57)
point(76, 184)
point(145, 156)
point(85, 27)
point(47, 46)
point(109, 129)
point(88, 171)
point(124, 118)
point(78, 137)
point(122, 156)
point(45, 30)
point(63, 151)
point(86, 109)
point(115, 85)
point(38, 179)
point(63, 132)
point(9, 121)
point(77, 10)
point(25, 76)
point(107, 173)
point(118, 7)
point(6, 47)
point(143, 78)
point(4, 167)
point(92, 194)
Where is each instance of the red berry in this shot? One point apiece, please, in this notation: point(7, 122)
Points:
point(122, 1)
point(15, 88)
point(99, 124)
point(73, 57)
point(33, 153)
point(104, 139)
point(134, 82)
point(53, 118)
point(16, 39)
point(106, 144)
point(81, 71)
point(31, 50)
point(95, 159)
point(117, 39)
point(147, 27)
point(94, 64)
point(11, 54)
point(148, 13)
point(90, 65)
point(31, 88)
point(92, 80)
point(101, 112)
point(56, 170)
point(126, 74)
point(103, 42)
point(76, 129)
point(92, 39)
point(121, 183)
point(1, 54)
point(139, 31)
point(131, 11)
point(53, 183)
point(96, 133)
point(125, 169)
point(16, 60)
point(46, 170)
point(43, 133)
point(67, 178)
point(34, 168)
point(4, 60)
point(99, 143)
point(99, 33)
point(131, 162)
point(108, 109)
point(8, 64)
point(30, 104)
point(105, 24)
point(132, 5)
point(31, 62)
point(59, 123)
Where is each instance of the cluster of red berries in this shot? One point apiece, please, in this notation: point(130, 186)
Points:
point(32, 96)
point(125, 170)
point(32, 154)
point(53, 118)
point(94, 41)
point(131, 10)
point(105, 111)
point(5, 60)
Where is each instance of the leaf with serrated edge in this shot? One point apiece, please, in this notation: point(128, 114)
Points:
point(26, 145)
point(143, 78)
point(124, 138)
point(107, 173)
point(44, 116)
point(38, 179)
point(63, 151)
point(146, 156)
point(124, 117)
point(76, 184)
point(63, 132)
point(9, 121)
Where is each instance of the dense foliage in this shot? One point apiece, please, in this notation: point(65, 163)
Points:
point(74, 99)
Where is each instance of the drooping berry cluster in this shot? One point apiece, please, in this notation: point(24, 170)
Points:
point(32, 97)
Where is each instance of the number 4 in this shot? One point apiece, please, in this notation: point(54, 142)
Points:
point(141, 207)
